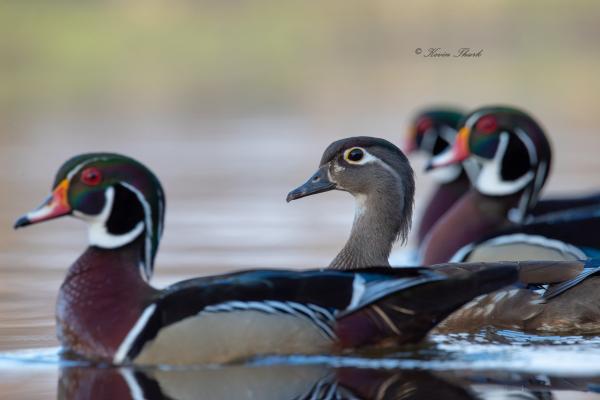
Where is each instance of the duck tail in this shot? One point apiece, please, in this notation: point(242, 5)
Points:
point(408, 314)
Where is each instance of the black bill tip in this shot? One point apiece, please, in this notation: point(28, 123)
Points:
point(21, 222)
point(295, 194)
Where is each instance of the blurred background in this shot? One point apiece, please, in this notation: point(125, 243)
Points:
point(232, 102)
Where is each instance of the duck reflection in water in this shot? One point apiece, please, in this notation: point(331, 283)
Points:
point(276, 382)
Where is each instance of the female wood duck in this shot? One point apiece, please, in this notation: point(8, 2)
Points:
point(379, 176)
point(432, 131)
point(511, 156)
point(107, 310)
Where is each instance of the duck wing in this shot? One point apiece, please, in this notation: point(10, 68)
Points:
point(235, 316)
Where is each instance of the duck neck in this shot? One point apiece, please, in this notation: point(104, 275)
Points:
point(100, 300)
point(473, 217)
point(380, 218)
point(441, 201)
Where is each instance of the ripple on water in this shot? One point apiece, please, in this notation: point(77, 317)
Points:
point(481, 365)
point(487, 350)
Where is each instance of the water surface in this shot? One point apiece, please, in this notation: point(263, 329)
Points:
point(226, 191)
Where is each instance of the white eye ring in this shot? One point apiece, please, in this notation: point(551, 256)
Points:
point(357, 158)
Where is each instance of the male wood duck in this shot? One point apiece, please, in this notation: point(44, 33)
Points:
point(108, 311)
point(431, 132)
point(511, 156)
point(550, 297)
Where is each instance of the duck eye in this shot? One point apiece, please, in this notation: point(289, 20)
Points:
point(91, 176)
point(487, 124)
point(354, 155)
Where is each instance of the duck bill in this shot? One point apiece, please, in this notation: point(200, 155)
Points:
point(56, 205)
point(459, 152)
point(318, 183)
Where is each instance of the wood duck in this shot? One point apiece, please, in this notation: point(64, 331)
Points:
point(509, 160)
point(550, 297)
point(107, 310)
point(431, 132)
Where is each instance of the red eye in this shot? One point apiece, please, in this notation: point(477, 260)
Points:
point(487, 124)
point(91, 176)
point(424, 125)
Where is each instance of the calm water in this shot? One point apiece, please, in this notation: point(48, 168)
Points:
point(226, 185)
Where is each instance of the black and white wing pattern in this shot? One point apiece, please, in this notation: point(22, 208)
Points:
point(248, 313)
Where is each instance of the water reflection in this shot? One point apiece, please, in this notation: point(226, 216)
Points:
point(284, 382)
point(279, 382)
point(449, 367)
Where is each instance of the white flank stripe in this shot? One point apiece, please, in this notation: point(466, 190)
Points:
point(461, 254)
point(125, 346)
point(358, 289)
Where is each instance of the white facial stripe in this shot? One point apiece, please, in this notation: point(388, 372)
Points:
point(78, 168)
point(539, 178)
point(361, 200)
point(148, 218)
point(160, 211)
point(370, 158)
point(533, 159)
point(428, 142)
point(490, 181)
point(473, 118)
point(367, 157)
point(98, 234)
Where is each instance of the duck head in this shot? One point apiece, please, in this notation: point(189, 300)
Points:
point(380, 178)
point(119, 198)
point(505, 152)
point(431, 132)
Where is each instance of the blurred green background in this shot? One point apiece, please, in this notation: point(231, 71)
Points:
point(241, 57)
